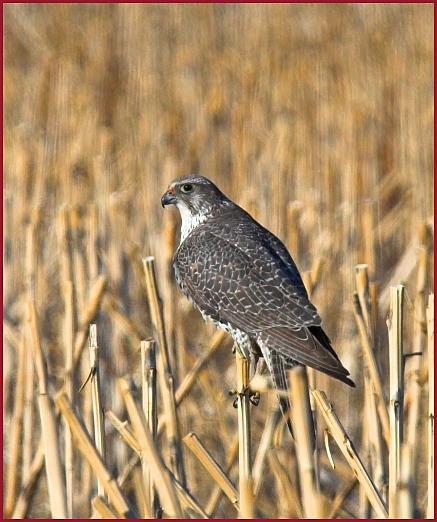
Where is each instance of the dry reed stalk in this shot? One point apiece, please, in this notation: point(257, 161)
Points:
point(303, 431)
point(414, 365)
point(141, 493)
point(88, 450)
point(91, 259)
point(100, 505)
point(244, 436)
point(68, 383)
point(375, 433)
point(364, 510)
point(184, 496)
point(215, 495)
point(395, 327)
point(187, 500)
point(86, 475)
point(127, 469)
point(149, 451)
point(125, 431)
point(212, 467)
point(96, 294)
point(165, 373)
point(405, 500)
point(362, 284)
point(98, 419)
point(374, 306)
point(375, 376)
point(150, 410)
point(311, 283)
point(73, 267)
point(28, 483)
point(28, 417)
point(31, 256)
point(347, 448)
point(288, 496)
point(67, 141)
point(16, 431)
point(191, 377)
point(413, 387)
point(54, 473)
point(341, 496)
point(430, 460)
point(376, 439)
point(263, 448)
point(371, 430)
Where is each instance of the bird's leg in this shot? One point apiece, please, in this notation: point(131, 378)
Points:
point(254, 397)
point(242, 349)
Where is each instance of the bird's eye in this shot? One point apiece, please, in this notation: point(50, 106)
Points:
point(187, 187)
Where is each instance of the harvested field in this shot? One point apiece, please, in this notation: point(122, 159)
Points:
point(318, 120)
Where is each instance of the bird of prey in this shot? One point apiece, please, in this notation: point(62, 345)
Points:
point(241, 276)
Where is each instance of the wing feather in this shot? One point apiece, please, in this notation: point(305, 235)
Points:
point(227, 281)
point(219, 275)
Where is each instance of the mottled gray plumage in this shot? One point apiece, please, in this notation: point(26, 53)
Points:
point(242, 277)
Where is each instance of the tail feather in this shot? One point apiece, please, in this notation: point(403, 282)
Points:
point(284, 348)
point(307, 346)
point(278, 366)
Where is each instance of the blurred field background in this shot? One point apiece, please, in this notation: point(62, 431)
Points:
point(318, 119)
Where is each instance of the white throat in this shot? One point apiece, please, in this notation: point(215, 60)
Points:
point(190, 222)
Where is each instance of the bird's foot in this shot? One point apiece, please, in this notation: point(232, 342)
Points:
point(253, 396)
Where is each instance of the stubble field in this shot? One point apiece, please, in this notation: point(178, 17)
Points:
point(318, 120)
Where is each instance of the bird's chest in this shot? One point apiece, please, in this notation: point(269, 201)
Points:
point(190, 221)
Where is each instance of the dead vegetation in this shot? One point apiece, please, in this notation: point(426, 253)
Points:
point(318, 119)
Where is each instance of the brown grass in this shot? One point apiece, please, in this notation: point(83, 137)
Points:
point(318, 119)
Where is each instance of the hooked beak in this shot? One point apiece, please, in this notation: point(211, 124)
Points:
point(168, 198)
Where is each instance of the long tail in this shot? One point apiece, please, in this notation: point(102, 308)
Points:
point(309, 346)
point(283, 348)
point(278, 366)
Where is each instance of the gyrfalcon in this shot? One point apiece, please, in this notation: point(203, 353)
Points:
point(241, 276)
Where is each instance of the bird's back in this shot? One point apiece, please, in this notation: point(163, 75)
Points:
point(238, 273)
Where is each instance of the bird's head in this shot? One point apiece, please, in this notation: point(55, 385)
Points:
point(194, 195)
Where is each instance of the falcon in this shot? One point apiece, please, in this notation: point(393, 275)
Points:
point(241, 276)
